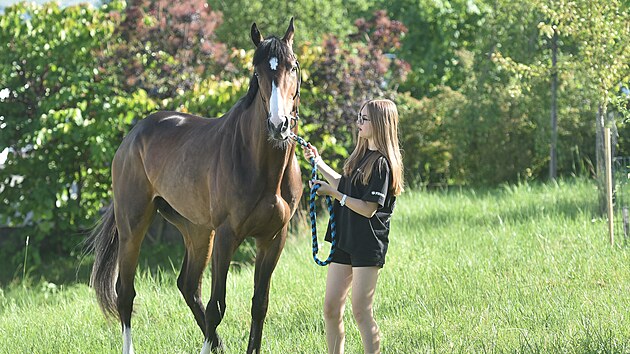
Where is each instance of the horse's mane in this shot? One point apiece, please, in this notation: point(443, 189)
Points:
point(270, 47)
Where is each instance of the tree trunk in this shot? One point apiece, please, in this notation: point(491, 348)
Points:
point(553, 161)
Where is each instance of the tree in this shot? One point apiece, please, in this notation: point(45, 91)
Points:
point(496, 121)
point(602, 32)
point(345, 73)
point(165, 48)
point(443, 34)
point(313, 19)
point(61, 120)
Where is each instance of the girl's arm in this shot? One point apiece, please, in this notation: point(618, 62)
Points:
point(329, 174)
point(361, 207)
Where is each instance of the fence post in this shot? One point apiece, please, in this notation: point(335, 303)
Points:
point(626, 227)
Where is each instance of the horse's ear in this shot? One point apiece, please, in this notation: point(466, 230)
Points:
point(257, 38)
point(288, 37)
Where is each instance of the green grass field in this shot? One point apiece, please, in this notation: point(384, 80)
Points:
point(516, 269)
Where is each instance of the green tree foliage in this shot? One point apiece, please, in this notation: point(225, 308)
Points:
point(443, 32)
point(500, 132)
point(496, 56)
point(601, 30)
point(593, 56)
point(427, 147)
point(61, 122)
point(314, 19)
point(165, 48)
point(346, 73)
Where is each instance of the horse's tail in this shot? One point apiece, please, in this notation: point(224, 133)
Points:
point(103, 242)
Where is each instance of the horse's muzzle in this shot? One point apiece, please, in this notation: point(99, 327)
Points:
point(281, 131)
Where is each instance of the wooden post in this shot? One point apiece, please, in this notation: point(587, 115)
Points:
point(609, 204)
point(553, 164)
point(626, 223)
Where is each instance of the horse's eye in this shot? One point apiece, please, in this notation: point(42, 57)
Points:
point(294, 69)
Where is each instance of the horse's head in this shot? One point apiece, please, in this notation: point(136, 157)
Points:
point(277, 71)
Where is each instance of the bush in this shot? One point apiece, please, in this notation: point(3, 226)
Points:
point(426, 144)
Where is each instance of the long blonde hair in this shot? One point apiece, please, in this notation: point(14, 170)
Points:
point(384, 118)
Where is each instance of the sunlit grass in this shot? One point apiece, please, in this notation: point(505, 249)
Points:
point(516, 269)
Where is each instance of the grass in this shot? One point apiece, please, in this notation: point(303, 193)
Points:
point(522, 268)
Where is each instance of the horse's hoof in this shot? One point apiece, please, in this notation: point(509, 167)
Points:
point(214, 346)
point(217, 345)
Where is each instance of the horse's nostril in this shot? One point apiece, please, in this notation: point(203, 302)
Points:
point(281, 130)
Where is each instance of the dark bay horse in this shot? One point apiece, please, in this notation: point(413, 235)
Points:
point(218, 181)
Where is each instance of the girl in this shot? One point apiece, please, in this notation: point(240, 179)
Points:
point(365, 196)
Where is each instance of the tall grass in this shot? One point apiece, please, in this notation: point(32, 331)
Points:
point(523, 268)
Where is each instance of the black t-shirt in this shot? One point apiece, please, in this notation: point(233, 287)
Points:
point(361, 237)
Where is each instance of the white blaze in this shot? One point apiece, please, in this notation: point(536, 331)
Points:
point(276, 108)
point(273, 63)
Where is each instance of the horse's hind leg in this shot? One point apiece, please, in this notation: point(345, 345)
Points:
point(134, 209)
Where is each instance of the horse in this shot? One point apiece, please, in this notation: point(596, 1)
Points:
point(217, 181)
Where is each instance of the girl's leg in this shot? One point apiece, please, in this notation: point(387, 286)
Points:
point(363, 288)
point(337, 285)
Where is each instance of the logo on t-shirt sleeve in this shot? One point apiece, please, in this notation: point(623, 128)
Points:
point(378, 193)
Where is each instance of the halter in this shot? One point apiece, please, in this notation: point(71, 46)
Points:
point(296, 98)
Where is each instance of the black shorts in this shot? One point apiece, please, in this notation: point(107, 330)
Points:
point(342, 257)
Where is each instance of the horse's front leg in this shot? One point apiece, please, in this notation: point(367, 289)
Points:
point(224, 246)
point(268, 252)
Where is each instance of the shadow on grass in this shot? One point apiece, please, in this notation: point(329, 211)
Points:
point(67, 270)
point(510, 207)
point(522, 214)
point(162, 251)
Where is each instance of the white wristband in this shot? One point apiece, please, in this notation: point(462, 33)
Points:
point(342, 202)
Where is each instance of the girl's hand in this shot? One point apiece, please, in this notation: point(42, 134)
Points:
point(311, 152)
point(324, 189)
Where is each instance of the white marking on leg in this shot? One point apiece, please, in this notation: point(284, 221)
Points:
point(127, 344)
point(206, 347)
point(273, 63)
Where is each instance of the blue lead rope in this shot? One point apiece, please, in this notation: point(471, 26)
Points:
point(313, 214)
